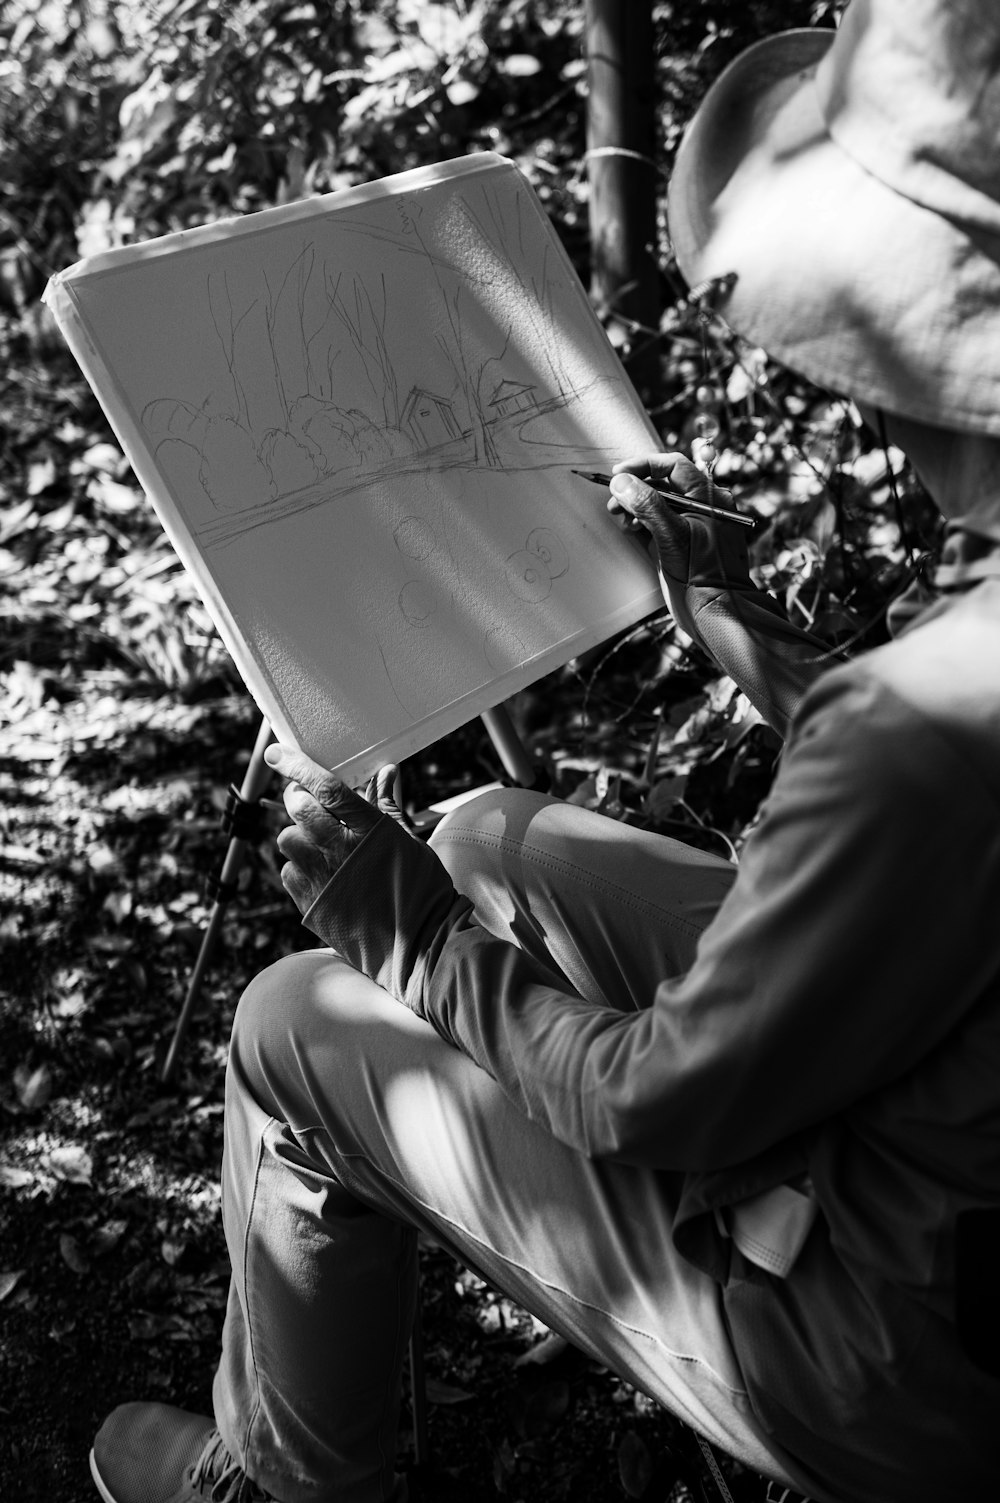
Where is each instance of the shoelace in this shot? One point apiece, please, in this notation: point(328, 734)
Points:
point(230, 1483)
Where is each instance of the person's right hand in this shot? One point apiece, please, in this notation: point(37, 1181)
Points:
point(685, 543)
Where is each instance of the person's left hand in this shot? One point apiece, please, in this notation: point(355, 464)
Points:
point(329, 821)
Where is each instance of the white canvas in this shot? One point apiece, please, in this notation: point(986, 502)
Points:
point(357, 418)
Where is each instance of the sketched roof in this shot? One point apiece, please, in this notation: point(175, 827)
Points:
point(508, 388)
point(421, 394)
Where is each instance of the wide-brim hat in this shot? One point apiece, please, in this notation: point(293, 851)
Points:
point(850, 181)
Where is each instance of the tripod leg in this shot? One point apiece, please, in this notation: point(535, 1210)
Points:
point(255, 780)
point(418, 1386)
point(509, 746)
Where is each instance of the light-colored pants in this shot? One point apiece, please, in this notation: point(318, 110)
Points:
point(350, 1124)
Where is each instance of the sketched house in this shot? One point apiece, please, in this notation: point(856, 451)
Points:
point(511, 397)
point(428, 419)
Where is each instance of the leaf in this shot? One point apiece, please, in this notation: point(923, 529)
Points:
point(663, 795)
point(9, 1282)
point(462, 91)
point(102, 859)
point(635, 1465)
point(72, 1256)
point(72, 1164)
point(108, 1236)
point(446, 1393)
point(21, 854)
point(551, 1347)
point(33, 1087)
point(585, 794)
point(119, 499)
point(118, 905)
point(12, 1178)
point(41, 475)
point(171, 1251)
point(504, 1465)
point(519, 65)
point(70, 1004)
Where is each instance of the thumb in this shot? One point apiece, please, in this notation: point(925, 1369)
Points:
point(329, 791)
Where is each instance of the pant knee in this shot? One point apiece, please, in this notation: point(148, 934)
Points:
point(278, 1007)
point(475, 841)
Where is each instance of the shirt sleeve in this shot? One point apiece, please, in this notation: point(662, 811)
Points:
point(824, 976)
point(743, 629)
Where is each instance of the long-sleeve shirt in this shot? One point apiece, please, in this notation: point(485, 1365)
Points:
point(841, 1018)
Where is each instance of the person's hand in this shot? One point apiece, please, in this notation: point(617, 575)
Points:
point(329, 821)
point(683, 541)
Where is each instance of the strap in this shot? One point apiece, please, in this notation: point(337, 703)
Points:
point(217, 891)
point(776, 1491)
point(714, 1468)
point(241, 818)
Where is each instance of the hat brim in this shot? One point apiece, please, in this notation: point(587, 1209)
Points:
point(838, 276)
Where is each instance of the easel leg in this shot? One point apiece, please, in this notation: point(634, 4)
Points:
point(255, 780)
point(521, 770)
point(509, 747)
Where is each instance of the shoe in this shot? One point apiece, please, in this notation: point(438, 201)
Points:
point(152, 1453)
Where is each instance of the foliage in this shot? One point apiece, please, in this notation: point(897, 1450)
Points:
point(123, 720)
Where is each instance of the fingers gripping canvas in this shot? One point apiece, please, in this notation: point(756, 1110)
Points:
point(357, 418)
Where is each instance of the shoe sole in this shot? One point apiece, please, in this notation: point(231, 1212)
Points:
point(98, 1481)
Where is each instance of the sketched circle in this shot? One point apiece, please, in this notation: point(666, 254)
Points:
point(528, 577)
point(550, 549)
point(417, 602)
point(414, 537)
point(503, 648)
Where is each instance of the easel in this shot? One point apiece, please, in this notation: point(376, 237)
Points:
point(241, 822)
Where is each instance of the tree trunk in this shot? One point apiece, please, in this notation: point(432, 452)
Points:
point(624, 180)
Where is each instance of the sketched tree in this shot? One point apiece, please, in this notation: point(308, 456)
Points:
point(365, 325)
point(490, 233)
point(471, 375)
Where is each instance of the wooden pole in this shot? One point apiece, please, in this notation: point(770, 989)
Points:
point(623, 176)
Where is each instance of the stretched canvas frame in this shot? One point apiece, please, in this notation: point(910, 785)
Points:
point(357, 418)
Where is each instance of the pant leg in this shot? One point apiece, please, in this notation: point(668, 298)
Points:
point(349, 1123)
point(616, 909)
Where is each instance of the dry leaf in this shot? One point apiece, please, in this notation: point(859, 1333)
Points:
point(118, 904)
point(9, 1282)
point(445, 1393)
point(551, 1347)
point(72, 1163)
point(22, 855)
point(71, 1254)
point(12, 1178)
point(635, 1465)
point(33, 1087)
point(108, 1236)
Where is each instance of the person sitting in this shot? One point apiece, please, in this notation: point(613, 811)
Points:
point(735, 1132)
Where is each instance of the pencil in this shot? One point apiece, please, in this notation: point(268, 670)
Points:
point(704, 508)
